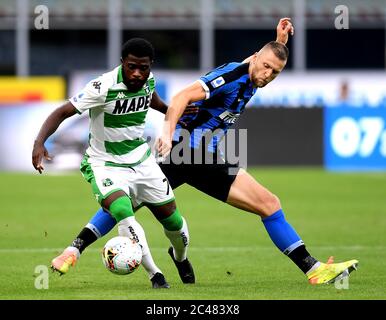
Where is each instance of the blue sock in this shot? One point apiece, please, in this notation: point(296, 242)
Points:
point(101, 223)
point(281, 232)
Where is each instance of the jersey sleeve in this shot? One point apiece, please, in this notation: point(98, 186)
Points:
point(214, 83)
point(92, 95)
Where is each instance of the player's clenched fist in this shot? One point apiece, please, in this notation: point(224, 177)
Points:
point(283, 29)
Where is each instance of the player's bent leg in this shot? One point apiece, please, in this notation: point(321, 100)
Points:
point(176, 229)
point(120, 207)
point(99, 225)
point(247, 194)
point(153, 189)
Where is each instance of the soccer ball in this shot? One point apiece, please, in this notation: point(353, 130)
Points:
point(122, 255)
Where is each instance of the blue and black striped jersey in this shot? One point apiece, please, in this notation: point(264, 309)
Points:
point(228, 89)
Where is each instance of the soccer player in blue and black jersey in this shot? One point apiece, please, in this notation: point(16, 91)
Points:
point(221, 96)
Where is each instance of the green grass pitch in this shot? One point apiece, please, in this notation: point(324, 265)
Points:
point(339, 214)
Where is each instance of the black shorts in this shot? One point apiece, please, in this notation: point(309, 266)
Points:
point(213, 179)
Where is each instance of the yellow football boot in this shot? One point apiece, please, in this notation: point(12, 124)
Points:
point(329, 272)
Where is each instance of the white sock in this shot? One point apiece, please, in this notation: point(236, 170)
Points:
point(179, 240)
point(129, 227)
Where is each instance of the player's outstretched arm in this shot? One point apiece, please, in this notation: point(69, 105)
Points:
point(49, 127)
point(193, 93)
point(161, 106)
point(283, 29)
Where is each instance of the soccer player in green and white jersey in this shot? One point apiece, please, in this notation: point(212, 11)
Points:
point(118, 163)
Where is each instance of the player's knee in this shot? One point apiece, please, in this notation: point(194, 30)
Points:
point(271, 204)
point(173, 221)
point(121, 208)
point(164, 211)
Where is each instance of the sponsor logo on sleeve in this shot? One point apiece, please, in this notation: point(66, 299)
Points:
point(97, 85)
point(218, 82)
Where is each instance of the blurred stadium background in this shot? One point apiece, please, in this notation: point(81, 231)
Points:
point(327, 108)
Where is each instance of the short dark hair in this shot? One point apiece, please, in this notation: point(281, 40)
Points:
point(279, 49)
point(137, 47)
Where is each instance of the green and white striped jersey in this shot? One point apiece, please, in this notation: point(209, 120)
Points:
point(117, 118)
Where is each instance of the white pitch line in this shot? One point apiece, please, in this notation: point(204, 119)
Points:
point(209, 249)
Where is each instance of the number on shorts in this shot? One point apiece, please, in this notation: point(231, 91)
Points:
point(167, 182)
